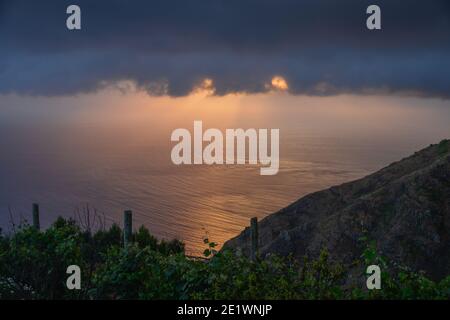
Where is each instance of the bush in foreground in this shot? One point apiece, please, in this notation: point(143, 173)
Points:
point(33, 266)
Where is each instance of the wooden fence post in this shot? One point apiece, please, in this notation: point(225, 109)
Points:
point(254, 237)
point(36, 222)
point(127, 227)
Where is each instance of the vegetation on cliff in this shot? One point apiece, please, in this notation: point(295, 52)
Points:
point(33, 266)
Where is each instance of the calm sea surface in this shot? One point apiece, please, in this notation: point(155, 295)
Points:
point(113, 162)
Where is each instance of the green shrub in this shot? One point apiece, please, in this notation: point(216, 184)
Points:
point(33, 266)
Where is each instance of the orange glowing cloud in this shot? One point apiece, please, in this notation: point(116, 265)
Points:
point(278, 83)
point(205, 87)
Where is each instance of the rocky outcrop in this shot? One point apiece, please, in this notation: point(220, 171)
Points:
point(404, 208)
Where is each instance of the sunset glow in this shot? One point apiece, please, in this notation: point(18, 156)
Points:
point(278, 83)
point(229, 150)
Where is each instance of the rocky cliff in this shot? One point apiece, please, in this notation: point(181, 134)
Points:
point(404, 208)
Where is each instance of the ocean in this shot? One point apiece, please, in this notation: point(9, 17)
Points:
point(113, 154)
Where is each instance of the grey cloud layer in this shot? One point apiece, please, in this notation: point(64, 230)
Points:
point(320, 47)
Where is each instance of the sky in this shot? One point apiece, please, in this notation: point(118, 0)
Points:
point(173, 47)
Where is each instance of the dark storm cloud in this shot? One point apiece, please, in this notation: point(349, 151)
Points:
point(320, 47)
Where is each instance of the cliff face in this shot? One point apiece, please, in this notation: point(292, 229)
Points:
point(404, 207)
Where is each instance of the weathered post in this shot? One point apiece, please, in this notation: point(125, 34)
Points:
point(127, 227)
point(36, 222)
point(254, 238)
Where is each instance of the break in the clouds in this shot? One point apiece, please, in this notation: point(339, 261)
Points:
point(170, 47)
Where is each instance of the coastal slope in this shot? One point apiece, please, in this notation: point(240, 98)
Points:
point(404, 208)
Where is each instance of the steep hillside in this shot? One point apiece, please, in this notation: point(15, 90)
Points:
point(404, 207)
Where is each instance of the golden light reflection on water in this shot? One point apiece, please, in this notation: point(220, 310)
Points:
point(112, 150)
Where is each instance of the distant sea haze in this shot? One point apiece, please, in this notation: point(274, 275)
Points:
point(112, 151)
